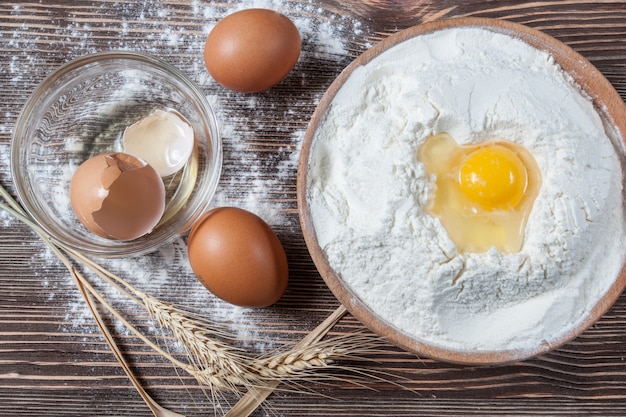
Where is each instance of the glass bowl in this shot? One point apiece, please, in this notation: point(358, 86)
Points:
point(81, 110)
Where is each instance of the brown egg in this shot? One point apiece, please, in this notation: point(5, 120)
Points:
point(117, 196)
point(238, 257)
point(252, 50)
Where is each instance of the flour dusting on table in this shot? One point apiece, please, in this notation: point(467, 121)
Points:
point(260, 162)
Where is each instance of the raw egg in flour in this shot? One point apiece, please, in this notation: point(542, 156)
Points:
point(238, 257)
point(484, 192)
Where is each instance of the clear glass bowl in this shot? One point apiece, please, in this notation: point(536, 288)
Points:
point(81, 110)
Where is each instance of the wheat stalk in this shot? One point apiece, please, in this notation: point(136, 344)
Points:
point(18, 211)
point(219, 365)
point(212, 361)
point(256, 395)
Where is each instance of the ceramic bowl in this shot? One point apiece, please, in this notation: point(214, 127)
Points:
point(608, 105)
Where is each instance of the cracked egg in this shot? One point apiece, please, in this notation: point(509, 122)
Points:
point(117, 196)
point(484, 192)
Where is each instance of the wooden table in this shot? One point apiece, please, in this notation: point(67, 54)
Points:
point(53, 360)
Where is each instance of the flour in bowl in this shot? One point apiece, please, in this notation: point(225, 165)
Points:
point(368, 193)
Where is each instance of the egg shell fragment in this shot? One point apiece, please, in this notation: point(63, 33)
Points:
point(238, 257)
point(252, 50)
point(164, 139)
point(117, 196)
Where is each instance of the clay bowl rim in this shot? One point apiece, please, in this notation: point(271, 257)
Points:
point(609, 106)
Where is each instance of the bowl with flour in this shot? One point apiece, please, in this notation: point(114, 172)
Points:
point(363, 193)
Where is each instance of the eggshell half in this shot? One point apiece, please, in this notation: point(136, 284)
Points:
point(238, 257)
point(164, 139)
point(117, 196)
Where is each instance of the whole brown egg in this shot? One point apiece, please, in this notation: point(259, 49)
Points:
point(251, 50)
point(238, 257)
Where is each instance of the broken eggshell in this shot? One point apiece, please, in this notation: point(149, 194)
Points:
point(117, 196)
point(164, 139)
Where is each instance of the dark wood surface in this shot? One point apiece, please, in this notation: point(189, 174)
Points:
point(53, 361)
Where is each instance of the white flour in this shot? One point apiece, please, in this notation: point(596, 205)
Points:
point(367, 192)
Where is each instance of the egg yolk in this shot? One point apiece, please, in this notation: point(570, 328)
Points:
point(483, 193)
point(494, 177)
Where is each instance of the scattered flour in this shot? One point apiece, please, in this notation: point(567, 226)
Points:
point(176, 33)
point(367, 192)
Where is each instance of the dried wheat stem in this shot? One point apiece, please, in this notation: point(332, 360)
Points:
point(11, 201)
point(155, 407)
point(126, 323)
point(211, 361)
point(14, 208)
point(257, 394)
point(221, 373)
point(18, 212)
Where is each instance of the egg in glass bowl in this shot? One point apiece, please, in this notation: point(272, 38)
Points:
point(461, 191)
point(81, 111)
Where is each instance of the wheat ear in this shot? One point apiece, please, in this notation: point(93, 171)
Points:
point(256, 395)
point(213, 362)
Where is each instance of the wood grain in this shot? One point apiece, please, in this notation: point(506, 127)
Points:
point(53, 361)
